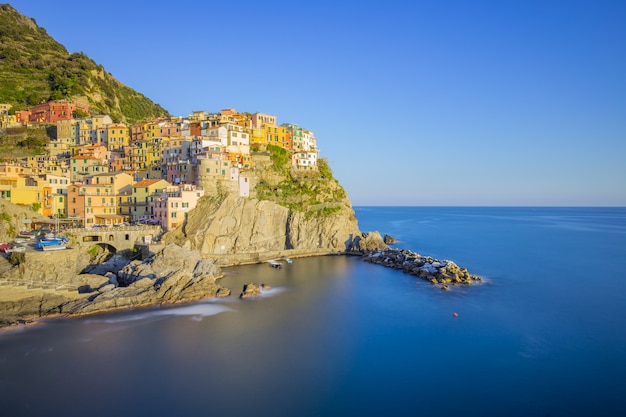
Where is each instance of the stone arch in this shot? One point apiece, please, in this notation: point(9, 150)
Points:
point(106, 246)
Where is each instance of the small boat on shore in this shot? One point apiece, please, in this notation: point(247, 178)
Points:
point(47, 248)
point(50, 243)
point(275, 264)
point(26, 234)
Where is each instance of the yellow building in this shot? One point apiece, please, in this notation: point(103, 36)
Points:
point(143, 195)
point(153, 130)
point(118, 136)
point(278, 136)
point(22, 190)
point(7, 120)
point(4, 108)
point(258, 136)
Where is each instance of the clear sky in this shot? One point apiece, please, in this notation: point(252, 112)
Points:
point(445, 102)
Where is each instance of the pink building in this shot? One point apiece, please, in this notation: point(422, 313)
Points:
point(174, 203)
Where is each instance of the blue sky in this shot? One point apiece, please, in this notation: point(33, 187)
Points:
point(412, 103)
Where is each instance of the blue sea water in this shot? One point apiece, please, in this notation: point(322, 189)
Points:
point(543, 336)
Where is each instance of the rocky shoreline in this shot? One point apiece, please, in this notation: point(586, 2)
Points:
point(65, 286)
point(69, 283)
point(439, 272)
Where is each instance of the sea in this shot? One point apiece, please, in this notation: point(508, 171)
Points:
point(543, 335)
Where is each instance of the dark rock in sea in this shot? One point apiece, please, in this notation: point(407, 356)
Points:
point(389, 240)
point(250, 290)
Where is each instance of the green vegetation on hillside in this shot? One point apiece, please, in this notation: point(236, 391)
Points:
point(35, 68)
point(315, 193)
point(21, 142)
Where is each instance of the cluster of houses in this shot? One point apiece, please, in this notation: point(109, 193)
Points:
point(97, 172)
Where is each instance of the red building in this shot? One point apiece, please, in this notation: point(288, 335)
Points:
point(53, 111)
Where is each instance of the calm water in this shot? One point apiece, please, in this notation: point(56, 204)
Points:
point(544, 336)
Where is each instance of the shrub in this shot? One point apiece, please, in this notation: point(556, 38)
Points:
point(16, 258)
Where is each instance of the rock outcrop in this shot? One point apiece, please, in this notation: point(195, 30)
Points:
point(14, 218)
point(172, 275)
point(369, 241)
point(389, 240)
point(435, 271)
point(246, 230)
point(252, 290)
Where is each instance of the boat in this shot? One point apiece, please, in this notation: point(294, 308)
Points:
point(275, 264)
point(27, 234)
point(47, 248)
point(49, 243)
point(17, 249)
point(288, 260)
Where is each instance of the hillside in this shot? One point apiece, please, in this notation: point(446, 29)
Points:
point(34, 68)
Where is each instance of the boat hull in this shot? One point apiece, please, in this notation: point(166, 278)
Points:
point(47, 248)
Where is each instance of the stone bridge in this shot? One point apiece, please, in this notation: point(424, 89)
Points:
point(112, 238)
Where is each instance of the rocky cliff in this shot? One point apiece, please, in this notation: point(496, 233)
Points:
point(286, 215)
point(241, 230)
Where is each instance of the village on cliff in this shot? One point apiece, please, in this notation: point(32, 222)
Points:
point(99, 173)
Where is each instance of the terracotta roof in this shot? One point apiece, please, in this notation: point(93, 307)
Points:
point(145, 183)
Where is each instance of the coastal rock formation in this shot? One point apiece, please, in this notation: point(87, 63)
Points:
point(173, 275)
point(240, 230)
point(252, 290)
point(389, 240)
point(14, 218)
point(369, 241)
point(41, 287)
point(436, 271)
point(51, 269)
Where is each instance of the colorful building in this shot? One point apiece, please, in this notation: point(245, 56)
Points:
point(84, 166)
point(260, 120)
point(174, 203)
point(55, 110)
point(99, 199)
point(118, 137)
point(143, 195)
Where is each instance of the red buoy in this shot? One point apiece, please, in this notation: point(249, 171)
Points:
point(455, 314)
